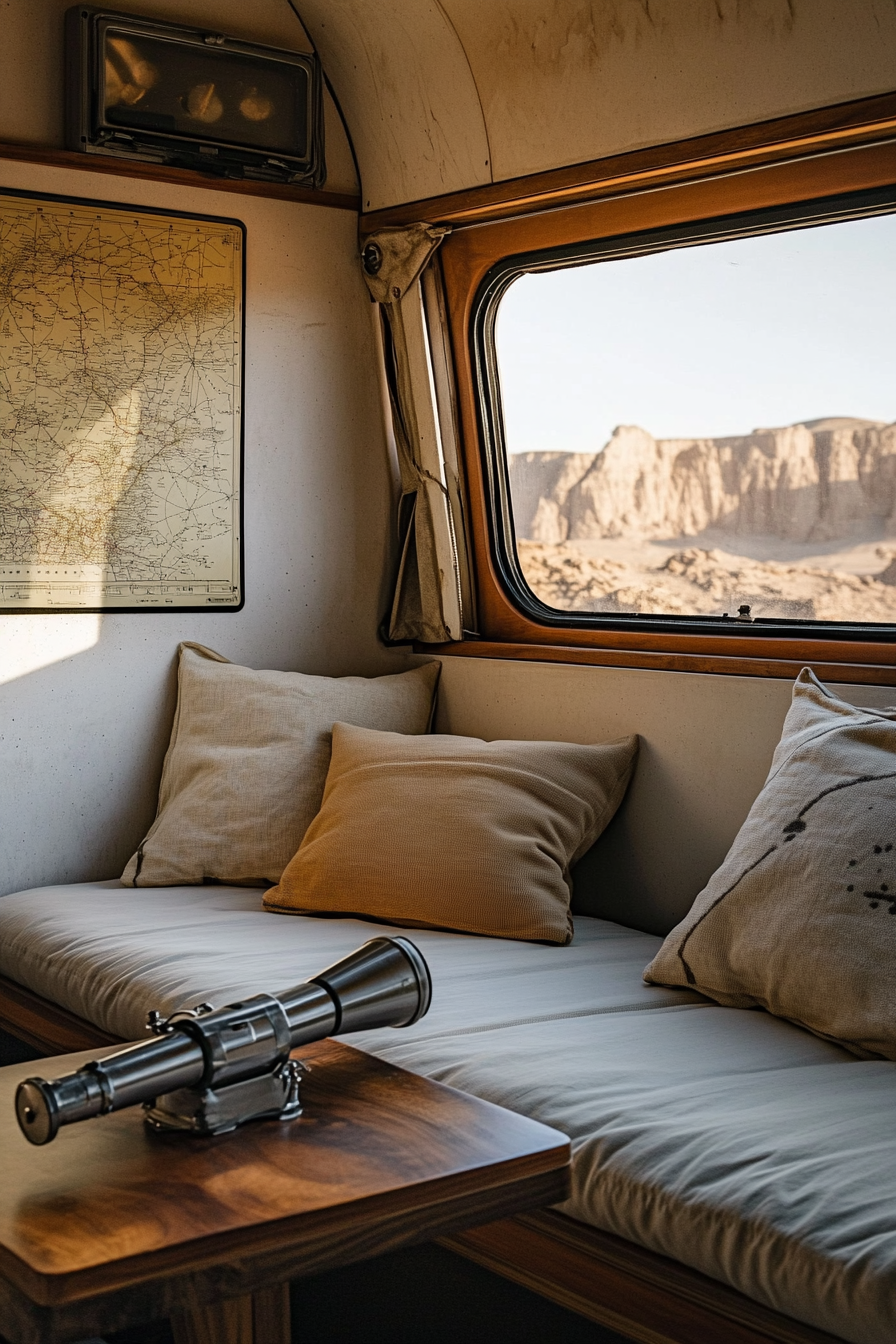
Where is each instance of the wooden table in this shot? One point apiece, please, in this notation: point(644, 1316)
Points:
point(112, 1225)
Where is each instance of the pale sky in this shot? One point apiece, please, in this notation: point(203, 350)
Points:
point(705, 341)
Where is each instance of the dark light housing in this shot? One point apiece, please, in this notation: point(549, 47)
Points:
point(136, 88)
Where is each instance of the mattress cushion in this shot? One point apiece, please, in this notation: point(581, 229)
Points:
point(726, 1138)
point(110, 953)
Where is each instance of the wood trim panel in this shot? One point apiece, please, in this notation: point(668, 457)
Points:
point(822, 130)
point(644, 1296)
point(43, 1025)
point(177, 177)
point(250, 1264)
point(726, 663)
point(467, 256)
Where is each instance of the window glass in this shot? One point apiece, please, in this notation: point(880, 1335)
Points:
point(709, 427)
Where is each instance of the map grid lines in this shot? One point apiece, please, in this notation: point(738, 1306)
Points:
point(121, 357)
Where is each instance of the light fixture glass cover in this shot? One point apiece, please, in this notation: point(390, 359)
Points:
point(186, 96)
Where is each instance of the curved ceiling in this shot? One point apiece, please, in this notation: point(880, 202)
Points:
point(407, 93)
point(440, 95)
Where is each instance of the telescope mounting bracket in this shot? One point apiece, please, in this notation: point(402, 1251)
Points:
point(162, 1026)
point(209, 1110)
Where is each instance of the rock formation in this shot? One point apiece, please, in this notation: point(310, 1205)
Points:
point(817, 481)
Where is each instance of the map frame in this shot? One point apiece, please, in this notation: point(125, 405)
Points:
point(170, 603)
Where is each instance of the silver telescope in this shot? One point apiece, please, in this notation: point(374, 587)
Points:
point(208, 1070)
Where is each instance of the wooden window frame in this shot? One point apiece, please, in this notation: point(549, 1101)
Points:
point(830, 152)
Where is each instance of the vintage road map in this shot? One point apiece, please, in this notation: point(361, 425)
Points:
point(120, 407)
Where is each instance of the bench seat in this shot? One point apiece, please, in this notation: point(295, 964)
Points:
point(727, 1140)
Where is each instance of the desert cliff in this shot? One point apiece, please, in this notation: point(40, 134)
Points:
point(817, 481)
point(789, 521)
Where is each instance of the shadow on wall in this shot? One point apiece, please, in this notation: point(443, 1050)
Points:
point(75, 488)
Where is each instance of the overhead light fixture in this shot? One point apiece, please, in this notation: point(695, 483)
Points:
point(136, 88)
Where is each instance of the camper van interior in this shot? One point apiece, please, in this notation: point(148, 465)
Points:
point(448, 499)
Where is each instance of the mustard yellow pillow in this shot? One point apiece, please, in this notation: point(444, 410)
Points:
point(453, 832)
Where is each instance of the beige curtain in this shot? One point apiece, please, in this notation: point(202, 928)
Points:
point(429, 598)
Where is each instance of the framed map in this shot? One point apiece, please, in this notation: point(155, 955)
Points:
point(121, 369)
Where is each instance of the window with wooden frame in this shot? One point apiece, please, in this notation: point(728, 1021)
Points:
point(694, 268)
point(697, 425)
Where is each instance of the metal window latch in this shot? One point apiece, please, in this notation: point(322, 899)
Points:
point(743, 614)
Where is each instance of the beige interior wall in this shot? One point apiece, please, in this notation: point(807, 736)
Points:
point(438, 96)
point(444, 94)
point(575, 80)
point(706, 746)
point(86, 701)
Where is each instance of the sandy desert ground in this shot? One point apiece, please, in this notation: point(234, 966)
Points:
point(629, 576)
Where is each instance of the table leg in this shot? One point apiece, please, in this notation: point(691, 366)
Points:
point(257, 1318)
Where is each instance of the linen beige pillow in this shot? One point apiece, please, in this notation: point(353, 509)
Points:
point(247, 762)
point(453, 832)
point(801, 917)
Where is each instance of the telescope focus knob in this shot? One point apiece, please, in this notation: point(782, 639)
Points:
point(160, 1025)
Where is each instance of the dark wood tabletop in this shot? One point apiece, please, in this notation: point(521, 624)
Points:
point(112, 1224)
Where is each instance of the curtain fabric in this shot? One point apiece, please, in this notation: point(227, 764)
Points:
point(427, 603)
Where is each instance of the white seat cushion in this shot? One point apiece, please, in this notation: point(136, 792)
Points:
point(110, 953)
point(725, 1138)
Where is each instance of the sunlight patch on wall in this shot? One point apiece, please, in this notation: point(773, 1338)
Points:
point(32, 642)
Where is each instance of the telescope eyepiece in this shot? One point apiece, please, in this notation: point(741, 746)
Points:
point(36, 1110)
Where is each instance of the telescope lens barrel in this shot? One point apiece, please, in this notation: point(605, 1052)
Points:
point(386, 983)
point(131, 1075)
point(311, 1013)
